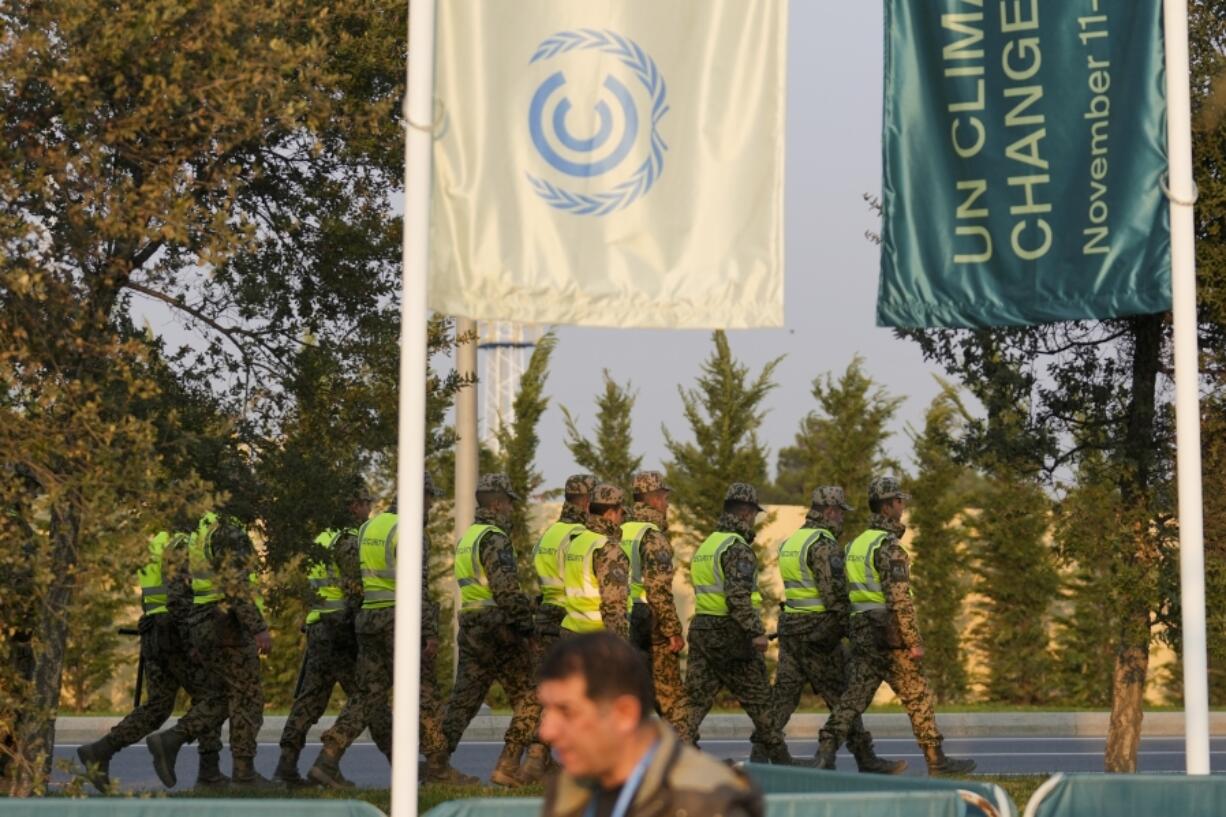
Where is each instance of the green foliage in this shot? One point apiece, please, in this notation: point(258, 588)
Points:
point(724, 413)
point(1214, 443)
point(939, 492)
point(841, 444)
point(1018, 582)
point(518, 441)
point(609, 456)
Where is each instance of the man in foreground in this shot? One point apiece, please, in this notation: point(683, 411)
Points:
point(596, 695)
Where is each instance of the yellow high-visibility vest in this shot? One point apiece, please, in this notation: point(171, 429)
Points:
point(547, 559)
point(475, 593)
point(582, 588)
point(632, 537)
point(377, 540)
point(863, 581)
point(707, 574)
point(799, 584)
point(325, 579)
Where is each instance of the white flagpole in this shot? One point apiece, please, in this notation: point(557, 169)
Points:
point(1182, 192)
point(419, 117)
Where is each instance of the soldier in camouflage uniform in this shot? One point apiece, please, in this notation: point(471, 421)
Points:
point(885, 640)
point(378, 542)
point(495, 629)
point(727, 639)
point(596, 572)
point(814, 621)
point(654, 626)
point(165, 664)
point(551, 604)
point(215, 597)
point(332, 645)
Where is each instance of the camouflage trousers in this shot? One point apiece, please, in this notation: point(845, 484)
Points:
point(548, 623)
point(373, 705)
point(871, 664)
point(823, 664)
point(724, 658)
point(167, 669)
point(330, 659)
point(665, 665)
point(224, 664)
point(489, 652)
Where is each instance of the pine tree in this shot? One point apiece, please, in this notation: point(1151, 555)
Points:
point(609, 456)
point(518, 440)
point(939, 492)
point(842, 443)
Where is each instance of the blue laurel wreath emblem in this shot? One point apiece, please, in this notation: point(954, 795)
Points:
point(631, 55)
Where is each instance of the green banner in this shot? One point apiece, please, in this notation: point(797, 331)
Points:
point(1024, 157)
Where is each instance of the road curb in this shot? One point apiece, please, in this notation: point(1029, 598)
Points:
point(70, 730)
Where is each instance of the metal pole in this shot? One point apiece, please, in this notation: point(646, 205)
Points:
point(1182, 192)
point(467, 448)
point(419, 116)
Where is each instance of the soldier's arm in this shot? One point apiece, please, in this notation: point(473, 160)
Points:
point(178, 578)
point(349, 563)
point(895, 571)
point(237, 563)
point(429, 607)
point(827, 566)
point(498, 559)
point(658, 583)
point(613, 577)
point(740, 565)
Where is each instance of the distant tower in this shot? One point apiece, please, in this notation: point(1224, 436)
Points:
point(505, 349)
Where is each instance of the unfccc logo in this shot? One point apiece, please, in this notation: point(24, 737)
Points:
point(609, 133)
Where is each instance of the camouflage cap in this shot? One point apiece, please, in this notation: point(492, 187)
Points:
point(606, 494)
point(358, 490)
point(428, 485)
point(496, 484)
point(743, 492)
point(830, 496)
point(579, 484)
point(886, 487)
point(646, 482)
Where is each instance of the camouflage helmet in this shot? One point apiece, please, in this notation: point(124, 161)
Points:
point(645, 482)
point(886, 487)
point(496, 484)
point(579, 485)
point(742, 492)
point(606, 494)
point(830, 496)
point(428, 485)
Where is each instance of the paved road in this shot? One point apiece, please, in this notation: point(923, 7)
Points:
point(365, 766)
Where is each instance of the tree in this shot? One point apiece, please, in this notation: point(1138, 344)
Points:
point(609, 456)
point(940, 490)
point(724, 412)
point(841, 444)
point(518, 441)
point(229, 160)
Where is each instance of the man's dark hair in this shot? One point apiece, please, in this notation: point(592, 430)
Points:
point(875, 503)
point(600, 510)
point(610, 667)
point(737, 506)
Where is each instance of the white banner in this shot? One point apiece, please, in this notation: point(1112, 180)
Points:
point(610, 162)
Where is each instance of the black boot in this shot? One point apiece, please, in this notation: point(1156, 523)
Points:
point(868, 762)
point(96, 758)
point(506, 770)
point(165, 746)
point(327, 770)
point(209, 775)
point(757, 753)
point(939, 764)
point(287, 767)
point(245, 775)
point(780, 756)
point(827, 751)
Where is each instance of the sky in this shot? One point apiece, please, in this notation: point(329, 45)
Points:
point(833, 158)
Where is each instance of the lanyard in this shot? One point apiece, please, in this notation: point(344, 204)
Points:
point(629, 789)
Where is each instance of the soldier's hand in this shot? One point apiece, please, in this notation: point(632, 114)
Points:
point(761, 643)
point(263, 642)
point(430, 648)
point(676, 644)
point(917, 653)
